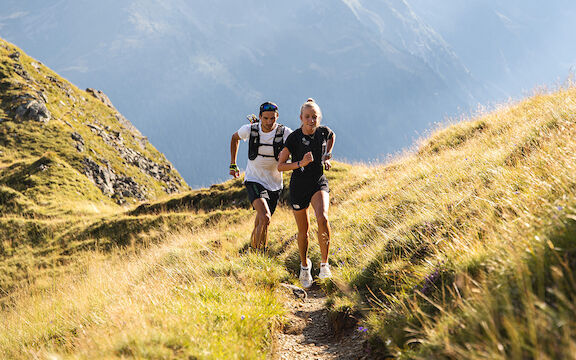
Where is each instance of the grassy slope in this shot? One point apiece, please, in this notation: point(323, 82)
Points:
point(178, 289)
point(463, 249)
point(48, 208)
point(72, 111)
point(466, 248)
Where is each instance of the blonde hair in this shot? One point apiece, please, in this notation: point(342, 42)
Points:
point(310, 103)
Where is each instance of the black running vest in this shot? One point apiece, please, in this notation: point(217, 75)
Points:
point(254, 142)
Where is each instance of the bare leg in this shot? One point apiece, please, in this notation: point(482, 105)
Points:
point(260, 232)
point(302, 222)
point(253, 243)
point(320, 202)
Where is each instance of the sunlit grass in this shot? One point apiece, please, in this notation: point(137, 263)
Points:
point(444, 240)
point(184, 297)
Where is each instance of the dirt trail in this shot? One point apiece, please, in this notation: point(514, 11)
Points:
point(309, 334)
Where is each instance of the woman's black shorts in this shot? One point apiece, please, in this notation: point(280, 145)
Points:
point(257, 191)
point(302, 190)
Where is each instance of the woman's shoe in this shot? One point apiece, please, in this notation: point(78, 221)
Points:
point(325, 272)
point(306, 275)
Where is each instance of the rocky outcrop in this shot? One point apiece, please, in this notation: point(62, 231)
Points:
point(135, 132)
point(79, 141)
point(62, 86)
point(27, 106)
point(32, 110)
point(114, 159)
point(111, 184)
point(18, 69)
point(98, 94)
point(130, 156)
point(101, 96)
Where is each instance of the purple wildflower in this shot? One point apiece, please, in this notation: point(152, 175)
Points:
point(242, 317)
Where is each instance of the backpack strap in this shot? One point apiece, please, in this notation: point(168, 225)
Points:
point(278, 140)
point(253, 142)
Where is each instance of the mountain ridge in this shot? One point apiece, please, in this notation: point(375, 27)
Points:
point(43, 113)
point(231, 58)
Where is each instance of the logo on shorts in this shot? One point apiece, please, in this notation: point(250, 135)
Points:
point(296, 206)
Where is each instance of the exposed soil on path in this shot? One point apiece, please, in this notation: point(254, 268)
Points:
point(309, 333)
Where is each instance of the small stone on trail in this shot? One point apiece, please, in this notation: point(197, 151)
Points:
point(296, 291)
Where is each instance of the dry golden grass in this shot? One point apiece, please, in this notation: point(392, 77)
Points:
point(183, 297)
point(459, 227)
point(463, 248)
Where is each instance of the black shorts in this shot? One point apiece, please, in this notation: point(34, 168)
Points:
point(302, 190)
point(257, 191)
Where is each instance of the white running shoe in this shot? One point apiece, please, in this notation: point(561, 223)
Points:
point(325, 272)
point(306, 275)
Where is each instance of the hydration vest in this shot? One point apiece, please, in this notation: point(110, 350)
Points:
point(254, 142)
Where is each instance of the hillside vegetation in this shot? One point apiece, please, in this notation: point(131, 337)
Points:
point(68, 159)
point(463, 248)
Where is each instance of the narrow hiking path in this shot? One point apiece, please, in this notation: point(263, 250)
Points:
point(309, 333)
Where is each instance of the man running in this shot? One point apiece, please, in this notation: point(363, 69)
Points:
point(263, 181)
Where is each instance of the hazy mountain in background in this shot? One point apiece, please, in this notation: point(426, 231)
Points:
point(512, 45)
point(187, 72)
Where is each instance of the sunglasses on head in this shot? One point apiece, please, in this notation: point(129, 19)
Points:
point(268, 107)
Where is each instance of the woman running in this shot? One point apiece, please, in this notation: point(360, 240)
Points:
point(310, 147)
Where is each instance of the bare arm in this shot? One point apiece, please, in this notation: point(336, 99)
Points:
point(328, 155)
point(330, 143)
point(284, 165)
point(234, 143)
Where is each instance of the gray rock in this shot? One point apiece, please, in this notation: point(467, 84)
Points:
point(79, 141)
point(128, 187)
point(33, 110)
point(117, 187)
point(96, 129)
point(77, 137)
point(42, 97)
point(99, 175)
point(130, 127)
point(100, 96)
point(135, 158)
point(298, 292)
point(18, 69)
point(61, 85)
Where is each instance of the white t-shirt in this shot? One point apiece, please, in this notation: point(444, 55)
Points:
point(264, 170)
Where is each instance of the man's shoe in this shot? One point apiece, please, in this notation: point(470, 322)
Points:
point(325, 272)
point(306, 275)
